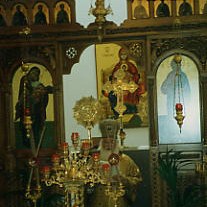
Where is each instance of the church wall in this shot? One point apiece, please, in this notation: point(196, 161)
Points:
point(86, 70)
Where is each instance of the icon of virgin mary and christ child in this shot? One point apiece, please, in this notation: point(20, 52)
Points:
point(130, 99)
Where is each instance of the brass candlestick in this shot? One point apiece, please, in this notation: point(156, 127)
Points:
point(71, 170)
point(114, 188)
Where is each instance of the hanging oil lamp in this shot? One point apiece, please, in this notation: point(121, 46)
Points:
point(179, 115)
point(178, 93)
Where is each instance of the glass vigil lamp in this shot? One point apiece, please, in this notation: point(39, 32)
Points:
point(179, 115)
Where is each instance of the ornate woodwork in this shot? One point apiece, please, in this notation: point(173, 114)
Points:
point(58, 47)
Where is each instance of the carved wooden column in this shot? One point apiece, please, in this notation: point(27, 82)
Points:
point(155, 182)
point(151, 100)
point(2, 142)
point(59, 117)
point(173, 7)
point(151, 56)
point(204, 102)
point(196, 7)
point(151, 9)
point(2, 117)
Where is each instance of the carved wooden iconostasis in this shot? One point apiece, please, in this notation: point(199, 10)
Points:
point(15, 150)
point(37, 13)
point(55, 47)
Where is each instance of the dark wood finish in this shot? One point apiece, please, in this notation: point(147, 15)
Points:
point(47, 45)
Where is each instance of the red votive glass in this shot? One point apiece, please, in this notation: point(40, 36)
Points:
point(46, 169)
point(27, 111)
point(96, 156)
point(179, 107)
point(85, 145)
point(105, 167)
point(55, 157)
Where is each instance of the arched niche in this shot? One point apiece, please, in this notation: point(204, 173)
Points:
point(38, 14)
point(86, 79)
point(64, 10)
point(35, 98)
point(168, 131)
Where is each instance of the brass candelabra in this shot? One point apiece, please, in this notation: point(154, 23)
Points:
point(74, 167)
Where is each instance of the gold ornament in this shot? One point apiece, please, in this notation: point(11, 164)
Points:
point(88, 111)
